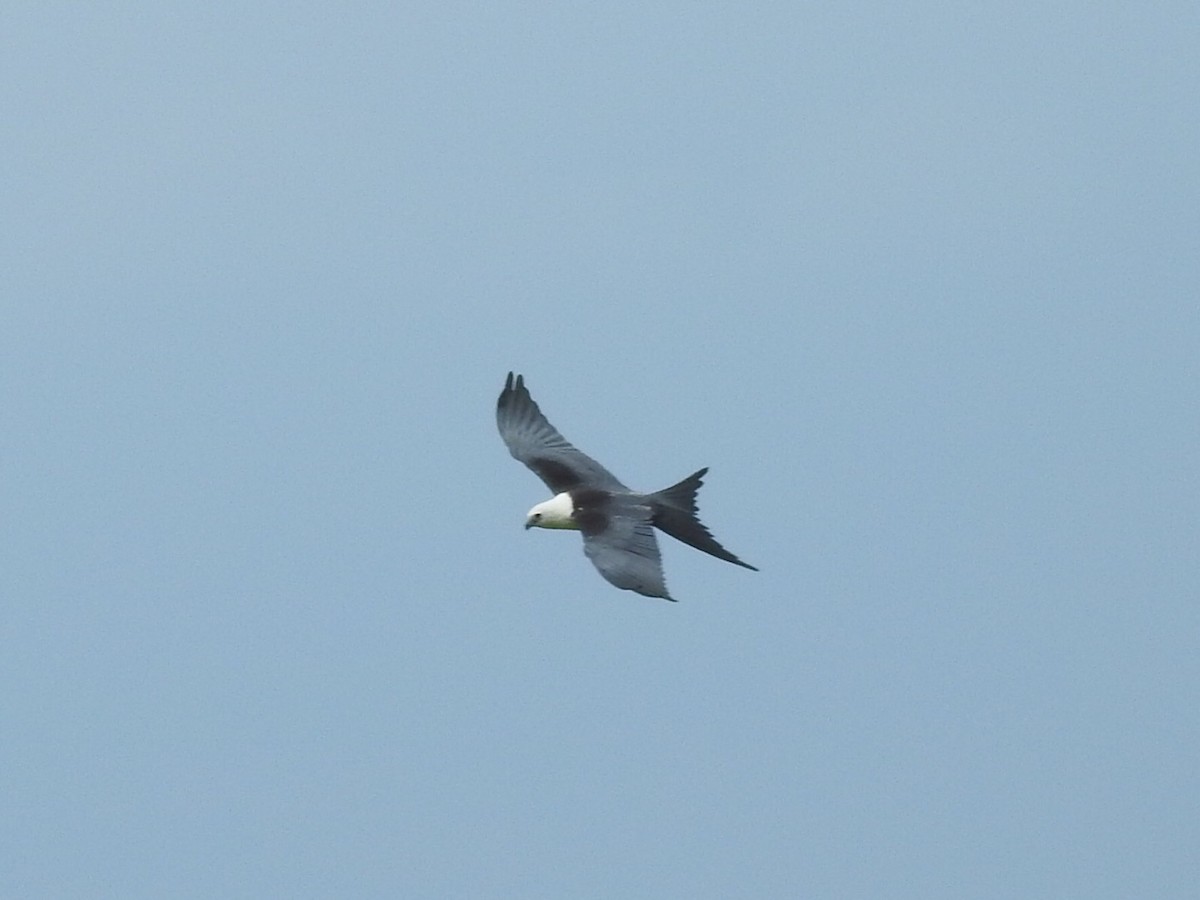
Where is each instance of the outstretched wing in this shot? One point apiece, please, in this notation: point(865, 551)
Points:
point(535, 442)
point(618, 537)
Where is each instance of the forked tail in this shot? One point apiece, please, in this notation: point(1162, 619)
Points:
point(675, 513)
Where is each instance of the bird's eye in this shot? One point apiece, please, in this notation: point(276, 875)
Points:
point(537, 517)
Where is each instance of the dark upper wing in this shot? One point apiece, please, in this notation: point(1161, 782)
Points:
point(535, 442)
point(618, 538)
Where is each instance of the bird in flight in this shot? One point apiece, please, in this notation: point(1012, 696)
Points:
point(617, 523)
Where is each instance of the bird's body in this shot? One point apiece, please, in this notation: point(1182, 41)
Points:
point(617, 523)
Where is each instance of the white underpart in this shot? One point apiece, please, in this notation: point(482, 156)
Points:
point(553, 513)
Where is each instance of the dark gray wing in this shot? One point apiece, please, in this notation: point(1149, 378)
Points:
point(618, 537)
point(535, 442)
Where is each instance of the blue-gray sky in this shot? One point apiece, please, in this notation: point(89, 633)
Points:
point(918, 282)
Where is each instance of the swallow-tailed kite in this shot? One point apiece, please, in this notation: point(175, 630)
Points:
point(617, 523)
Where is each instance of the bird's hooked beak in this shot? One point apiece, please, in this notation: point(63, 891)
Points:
point(529, 523)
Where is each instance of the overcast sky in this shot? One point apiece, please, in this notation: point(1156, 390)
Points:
point(917, 281)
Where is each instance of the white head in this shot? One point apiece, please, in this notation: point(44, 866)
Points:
point(552, 513)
